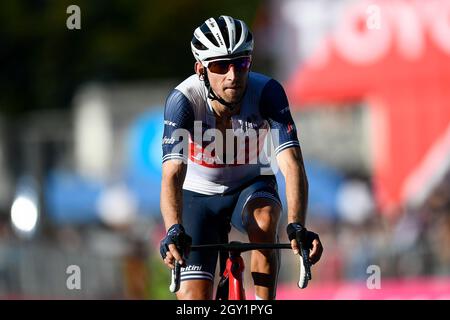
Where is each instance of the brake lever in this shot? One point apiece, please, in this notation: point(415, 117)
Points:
point(175, 281)
point(305, 265)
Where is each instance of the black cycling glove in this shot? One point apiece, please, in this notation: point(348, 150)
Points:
point(297, 231)
point(175, 235)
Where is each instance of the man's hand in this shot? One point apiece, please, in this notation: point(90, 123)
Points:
point(308, 239)
point(175, 245)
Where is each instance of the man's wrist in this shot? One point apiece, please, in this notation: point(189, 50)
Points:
point(170, 223)
point(295, 230)
point(176, 226)
point(299, 220)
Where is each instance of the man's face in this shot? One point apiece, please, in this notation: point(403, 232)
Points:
point(228, 77)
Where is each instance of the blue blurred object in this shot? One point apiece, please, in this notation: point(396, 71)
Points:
point(143, 168)
point(144, 145)
point(324, 183)
point(71, 198)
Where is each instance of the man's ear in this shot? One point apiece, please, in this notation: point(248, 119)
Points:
point(199, 68)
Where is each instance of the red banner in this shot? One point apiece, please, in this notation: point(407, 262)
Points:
point(400, 66)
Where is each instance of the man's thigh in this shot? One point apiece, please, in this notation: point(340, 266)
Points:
point(204, 223)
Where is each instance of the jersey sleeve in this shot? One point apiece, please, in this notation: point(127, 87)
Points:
point(178, 123)
point(275, 109)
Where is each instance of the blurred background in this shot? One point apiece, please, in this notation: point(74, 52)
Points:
point(81, 128)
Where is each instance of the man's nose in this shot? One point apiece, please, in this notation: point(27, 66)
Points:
point(232, 72)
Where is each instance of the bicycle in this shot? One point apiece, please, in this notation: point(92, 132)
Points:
point(234, 267)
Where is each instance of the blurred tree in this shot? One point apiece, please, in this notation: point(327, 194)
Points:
point(43, 62)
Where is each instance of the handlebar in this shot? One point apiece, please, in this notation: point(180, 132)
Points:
point(239, 247)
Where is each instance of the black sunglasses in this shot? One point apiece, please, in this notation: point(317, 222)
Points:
point(223, 66)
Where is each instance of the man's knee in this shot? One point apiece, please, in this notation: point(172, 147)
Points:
point(264, 215)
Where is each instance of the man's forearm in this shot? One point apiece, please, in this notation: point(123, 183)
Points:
point(171, 198)
point(291, 165)
point(296, 194)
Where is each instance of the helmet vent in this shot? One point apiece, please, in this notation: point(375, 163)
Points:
point(198, 45)
point(238, 29)
point(207, 32)
point(224, 31)
point(249, 37)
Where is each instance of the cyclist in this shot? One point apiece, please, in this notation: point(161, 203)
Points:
point(209, 181)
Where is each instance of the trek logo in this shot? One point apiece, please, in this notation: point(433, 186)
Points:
point(167, 140)
point(248, 126)
point(245, 125)
point(191, 268)
point(201, 157)
point(219, 38)
point(290, 127)
point(170, 123)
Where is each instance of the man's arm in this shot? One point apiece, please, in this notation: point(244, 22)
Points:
point(178, 121)
point(275, 108)
point(291, 165)
point(173, 174)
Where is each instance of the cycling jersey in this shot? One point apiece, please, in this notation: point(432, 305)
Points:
point(263, 106)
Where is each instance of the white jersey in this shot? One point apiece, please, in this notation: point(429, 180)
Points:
point(209, 172)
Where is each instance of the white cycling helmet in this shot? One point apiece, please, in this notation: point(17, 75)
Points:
point(224, 37)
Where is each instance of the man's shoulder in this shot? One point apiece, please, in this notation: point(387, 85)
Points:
point(193, 89)
point(190, 85)
point(263, 79)
point(265, 85)
point(259, 78)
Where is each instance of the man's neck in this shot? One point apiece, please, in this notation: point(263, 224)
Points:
point(223, 112)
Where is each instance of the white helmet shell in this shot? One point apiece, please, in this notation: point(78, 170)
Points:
point(223, 37)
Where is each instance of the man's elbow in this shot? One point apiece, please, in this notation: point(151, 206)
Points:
point(305, 179)
point(290, 165)
point(173, 170)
